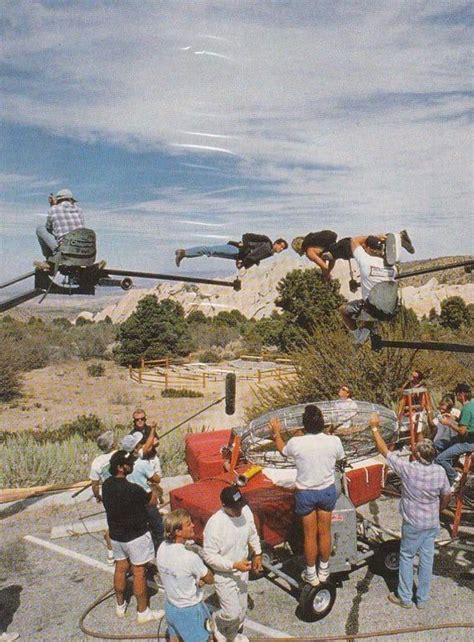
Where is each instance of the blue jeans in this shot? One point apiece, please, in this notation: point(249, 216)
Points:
point(46, 240)
point(224, 251)
point(416, 542)
point(445, 459)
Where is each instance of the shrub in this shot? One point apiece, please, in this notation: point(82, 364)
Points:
point(454, 313)
point(208, 356)
point(9, 378)
point(183, 392)
point(96, 369)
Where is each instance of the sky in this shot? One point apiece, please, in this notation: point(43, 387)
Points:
point(186, 122)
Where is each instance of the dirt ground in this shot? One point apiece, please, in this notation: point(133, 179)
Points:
point(59, 393)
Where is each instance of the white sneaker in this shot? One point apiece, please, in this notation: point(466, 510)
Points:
point(120, 609)
point(323, 574)
point(360, 336)
point(148, 615)
point(110, 558)
point(9, 637)
point(309, 579)
point(216, 634)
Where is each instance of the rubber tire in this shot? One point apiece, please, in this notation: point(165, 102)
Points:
point(386, 558)
point(309, 594)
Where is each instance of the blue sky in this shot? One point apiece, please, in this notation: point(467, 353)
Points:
point(178, 123)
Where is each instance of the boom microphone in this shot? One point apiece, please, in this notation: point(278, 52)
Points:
point(230, 381)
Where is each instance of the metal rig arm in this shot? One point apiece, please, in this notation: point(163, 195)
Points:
point(236, 284)
point(377, 343)
point(439, 268)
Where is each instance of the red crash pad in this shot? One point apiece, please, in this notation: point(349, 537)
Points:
point(203, 453)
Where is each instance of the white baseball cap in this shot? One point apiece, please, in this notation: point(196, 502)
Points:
point(130, 442)
point(65, 193)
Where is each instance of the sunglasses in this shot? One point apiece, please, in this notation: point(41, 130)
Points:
point(139, 419)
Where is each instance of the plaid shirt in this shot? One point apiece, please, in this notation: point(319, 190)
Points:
point(422, 487)
point(63, 218)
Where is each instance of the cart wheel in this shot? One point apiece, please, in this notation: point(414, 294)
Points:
point(316, 601)
point(386, 559)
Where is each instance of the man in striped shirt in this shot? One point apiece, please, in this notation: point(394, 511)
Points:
point(64, 216)
point(425, 491)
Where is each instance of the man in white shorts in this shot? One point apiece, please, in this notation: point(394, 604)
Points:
point(368, 253)
point(183, 573)
point(227, 537)
point(125, 504)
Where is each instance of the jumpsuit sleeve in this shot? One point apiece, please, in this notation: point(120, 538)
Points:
point(212, 549)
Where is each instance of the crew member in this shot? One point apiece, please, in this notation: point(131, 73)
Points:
point(323, 249)
point(64, 216)
point(252, 249)
point(425, 492)
point(146, 476)
point(227, 537)
point(464, 442)
point(420, 403)
point(99, 473)
point(315, 455)
point(345, 406)
point(125, 504)
point(368, 253)
point(183, 573)
point(147, 430)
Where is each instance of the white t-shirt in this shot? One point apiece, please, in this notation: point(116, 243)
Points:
point(346, 409)
point(315, 459)
point(100, 467)
point(227, 539)
point(180, 571)
point(372, 270)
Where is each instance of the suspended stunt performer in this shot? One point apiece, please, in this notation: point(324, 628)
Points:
point(252, 249)
point(64, 216)
point(323, 249)
point(379, 289)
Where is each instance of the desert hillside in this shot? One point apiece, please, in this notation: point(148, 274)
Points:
point(259, 290)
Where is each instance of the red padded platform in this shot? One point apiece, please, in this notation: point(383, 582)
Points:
point(203, 453)
point(365, 484)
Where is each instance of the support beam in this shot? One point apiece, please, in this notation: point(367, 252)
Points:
point(236, 284)
point(439, 268)
point(22, 298)
point(17, 279)
point(377, 343)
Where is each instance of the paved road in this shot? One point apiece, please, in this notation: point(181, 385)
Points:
point(43, 592)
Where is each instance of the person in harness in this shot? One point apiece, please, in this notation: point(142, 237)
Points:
point(323, 249)
point(64, 216)
point(252, 249)
point(379, 289)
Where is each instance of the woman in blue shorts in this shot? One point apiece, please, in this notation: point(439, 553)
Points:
point(315, 455)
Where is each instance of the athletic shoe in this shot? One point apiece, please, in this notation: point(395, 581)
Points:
point(149, 616)
point(42, 265)
point(421, 605)
point(120, 609)
point(179, 256)
point(406, 242)
point(9, 637)
point(455, 484)
point(323, 574)
point(240, 637)
point(360, 336)
point(394, 599)
point(110, 557)
point(392, 249)
point(310, 579)
point(216, 634)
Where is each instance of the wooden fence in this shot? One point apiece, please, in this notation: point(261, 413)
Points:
point(160, 372)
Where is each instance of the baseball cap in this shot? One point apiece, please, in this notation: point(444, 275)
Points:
point(105, 441)
point(374, 243)
point(231, 496)
point(130, 442)
point(122, 457)
point(65, 193)
point(462, 387)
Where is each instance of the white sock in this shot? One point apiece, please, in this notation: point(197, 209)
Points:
point(310, 571)
point(323, 564)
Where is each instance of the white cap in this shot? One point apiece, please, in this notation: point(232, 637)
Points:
point(65, 193)
point(130, 442)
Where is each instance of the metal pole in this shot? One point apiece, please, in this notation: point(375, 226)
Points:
point(439, 268)
point(236, 284)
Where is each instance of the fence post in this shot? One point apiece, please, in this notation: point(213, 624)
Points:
point(166, 379)
point(259, 376)
point(130, 371)
point(203, 379)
